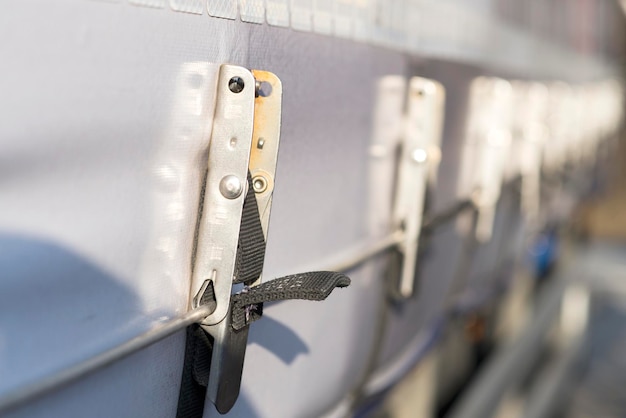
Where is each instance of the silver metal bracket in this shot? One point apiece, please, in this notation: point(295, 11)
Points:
point(262, 142)
point(486, 151)
point(265, 142)
point(225, 189)
point(420, 141)
point(529, 135)
point(388, 124)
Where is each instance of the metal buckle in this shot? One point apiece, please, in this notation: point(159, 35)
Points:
point(387, 132)
point(228, 156)
point(229, 345)
point(422, 135)
point(486, 150)
point(529, 128)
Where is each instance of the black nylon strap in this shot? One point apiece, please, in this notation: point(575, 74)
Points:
point(195, 377)
point(315, 285)
point(251, 247)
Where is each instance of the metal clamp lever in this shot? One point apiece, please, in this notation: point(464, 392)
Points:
point(530, 131)
point(230, 345)
point(219, 227)
point(422, 134)
point(494, 95)
point(225, 190)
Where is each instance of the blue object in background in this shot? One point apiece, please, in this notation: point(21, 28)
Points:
point(543, 252)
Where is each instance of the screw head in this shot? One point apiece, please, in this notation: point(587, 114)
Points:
point(419, 155)
point(259, 183)
point(236, 84)
point(231, 187)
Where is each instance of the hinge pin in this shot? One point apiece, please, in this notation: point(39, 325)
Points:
point(231, 187)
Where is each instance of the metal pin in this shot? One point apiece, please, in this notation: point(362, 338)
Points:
point(230, 187)
point(259, 184)
point(419, 155)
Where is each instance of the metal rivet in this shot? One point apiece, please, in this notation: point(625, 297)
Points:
point(260, 143)
point(419, 155)
point(259, 184)
point(263, 89)
point(236, 84)
point(231, 187)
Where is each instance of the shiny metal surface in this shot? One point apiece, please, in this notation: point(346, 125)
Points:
point(228, 156)
point(231, 187)
point(265, 141)
point(229, 346)
point(422, 134)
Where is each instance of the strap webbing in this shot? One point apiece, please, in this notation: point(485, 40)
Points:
point(315, 285)
point(195, 377)
point(251, 247)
